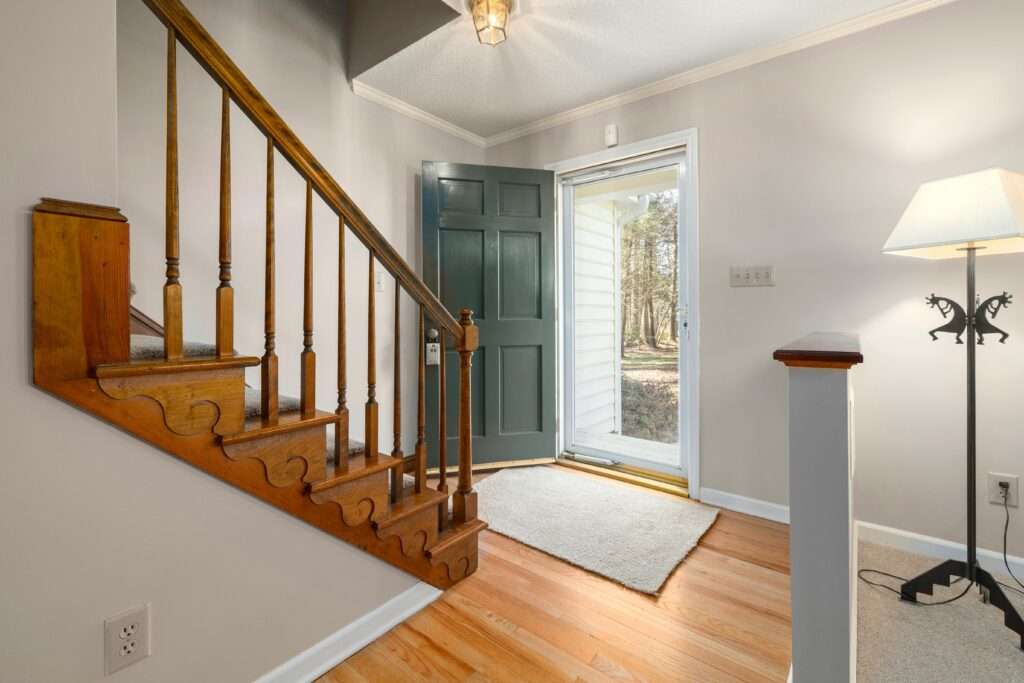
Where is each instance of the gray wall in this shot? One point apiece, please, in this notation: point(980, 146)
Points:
point(94, 521)
point(807, 162)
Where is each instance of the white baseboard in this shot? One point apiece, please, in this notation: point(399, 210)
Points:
point(748, 506)
point(939, 548)
point(335, 648)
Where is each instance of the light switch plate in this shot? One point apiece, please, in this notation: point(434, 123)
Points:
point(126, 639)
point(752, 276)
point(611, 135)
point(378, 280)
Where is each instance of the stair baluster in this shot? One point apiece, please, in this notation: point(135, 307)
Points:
point(421, 410)
point(464, 501)
point(307, 392)
point(370, 431)
point(341, 429)
point(225, 294)
point(172, 287)
point(442, 427)
point(397, 473)
point(268, 366)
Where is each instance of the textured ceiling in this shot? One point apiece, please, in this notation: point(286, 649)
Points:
point(563, 54)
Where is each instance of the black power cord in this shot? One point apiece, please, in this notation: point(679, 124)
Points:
point(862, 572)
point(1006, 531)
point(1006, 561)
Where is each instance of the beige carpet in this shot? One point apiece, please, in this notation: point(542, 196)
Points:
point(899, 642)
point(627, 533)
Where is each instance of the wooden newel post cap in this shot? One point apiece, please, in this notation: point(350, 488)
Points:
point(826, 350)
point(470, 332)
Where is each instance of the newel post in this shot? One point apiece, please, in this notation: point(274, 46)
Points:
point(464, 500)
point(822, 544)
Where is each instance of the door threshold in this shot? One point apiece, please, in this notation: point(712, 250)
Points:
point(659, 481)
point(488, 466)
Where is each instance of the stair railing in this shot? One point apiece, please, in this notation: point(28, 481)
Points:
point(183, 28)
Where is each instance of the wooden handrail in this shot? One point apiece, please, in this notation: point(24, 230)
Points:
point(223, 70)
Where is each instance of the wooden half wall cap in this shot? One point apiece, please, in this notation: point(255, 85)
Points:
point(80, 210)
point(829, 350)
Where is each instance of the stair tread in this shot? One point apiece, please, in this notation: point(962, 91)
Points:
point(410, 504)
point(453, 535)
point(357, 468)
point(287, 422)
point(160, 367)
point(354, 448)
point(253, 407)
point(145, 347)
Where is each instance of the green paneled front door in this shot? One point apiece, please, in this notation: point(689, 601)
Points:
point(488, 245)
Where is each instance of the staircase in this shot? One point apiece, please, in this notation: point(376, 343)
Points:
point(192, 401)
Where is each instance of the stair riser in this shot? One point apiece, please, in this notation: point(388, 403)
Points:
point(459, 560)
point(298, 456)
point(361, 500)
point(192, 402)
point(417, 532)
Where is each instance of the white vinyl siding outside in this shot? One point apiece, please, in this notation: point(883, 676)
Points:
point(598, 398)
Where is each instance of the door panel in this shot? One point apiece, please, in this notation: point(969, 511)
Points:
point(461, 261)
point(488, 245)
point(519, 273)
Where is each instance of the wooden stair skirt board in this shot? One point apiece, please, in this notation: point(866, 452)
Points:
point(191, 399)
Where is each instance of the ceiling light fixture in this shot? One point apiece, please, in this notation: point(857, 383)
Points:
point(490, 19)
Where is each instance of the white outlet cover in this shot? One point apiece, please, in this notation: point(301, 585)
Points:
point(126, 639)
point(994, 496)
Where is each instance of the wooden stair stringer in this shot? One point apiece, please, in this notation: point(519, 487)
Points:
point(144, 419)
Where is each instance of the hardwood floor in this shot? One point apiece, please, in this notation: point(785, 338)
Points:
point(527, 617)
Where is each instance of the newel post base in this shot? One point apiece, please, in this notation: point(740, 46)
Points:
point(464, 500)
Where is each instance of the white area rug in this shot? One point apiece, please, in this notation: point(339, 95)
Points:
point(624, 532)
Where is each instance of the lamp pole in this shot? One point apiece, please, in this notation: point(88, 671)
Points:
point(972, 421)
point(943, 574)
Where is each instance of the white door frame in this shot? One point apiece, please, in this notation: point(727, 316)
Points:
point(689, 294)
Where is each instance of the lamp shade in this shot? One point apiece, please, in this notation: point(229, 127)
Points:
point(983, 210)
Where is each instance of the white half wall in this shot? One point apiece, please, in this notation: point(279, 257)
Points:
point(807, 162)
point(94, 521)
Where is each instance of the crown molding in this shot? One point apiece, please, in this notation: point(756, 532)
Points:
point(380, 97)
point(743, 60)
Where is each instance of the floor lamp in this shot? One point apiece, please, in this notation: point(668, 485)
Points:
point(966, 216)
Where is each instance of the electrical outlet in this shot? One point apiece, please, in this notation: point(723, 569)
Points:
point(995, 494)
point(126, 638)
point(752, 276)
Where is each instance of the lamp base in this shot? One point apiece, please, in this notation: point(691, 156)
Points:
point(990, 588)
